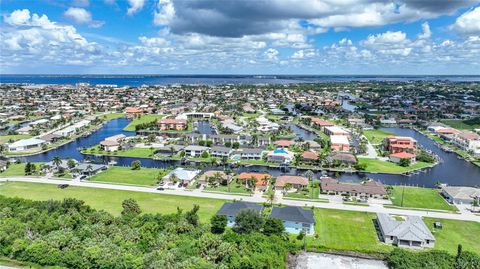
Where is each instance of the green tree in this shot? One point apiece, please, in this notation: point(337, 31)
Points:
point(218, 224)
point(248, 221)
point(57, 161)
point(136, 165)
point(405, 162)
point(71, 163)
point(192, 215)
point(130, 208)
point(273, 226)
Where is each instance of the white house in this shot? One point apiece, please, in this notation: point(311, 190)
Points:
point(195, 151)
point(25, 144)
point(295, 219)
point(182, 174)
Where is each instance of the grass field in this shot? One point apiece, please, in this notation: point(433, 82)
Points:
point(419, 198)
point(455, 232)
point(234, 188)
point(346, 230)
point(376, 136)
point(111, 200)
point(463, 124)
point(378, 166)
point(125, 175)
point(12, 138)
point(132, 152)
point(143, 119)
point(17, 169)
point(310, 192)
point(111, 116)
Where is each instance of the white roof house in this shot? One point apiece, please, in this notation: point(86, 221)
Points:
point(339, 139)
point(25, 144)
point(66, 131)
point(183, 174)
point(460, 195)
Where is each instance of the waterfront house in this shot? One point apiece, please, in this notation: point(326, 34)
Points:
point(321, 124)
point(339, 143)
point(468, 142)
point(280, 156)
point(221, 152)
point(109, 145)
point(295, 219)
point(89, 168)
point(172, 124)
point(284, 143)
point(51, 138)
point(310, 156)
point(250, 153)
point(133, 111)
point(335, 130)
point(410, 232)
point(24, 130)
point(26, 144)
point(396, 144)
point(297, 182)
point(342, 157)
point(183, 175)
point(231, 209)
point(217, 175)
point(195, 151)
point(398, 157)
point(367, 189)
point(260, 180)
point(460, 194)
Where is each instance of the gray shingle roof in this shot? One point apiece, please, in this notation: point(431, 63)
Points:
point(292, 213)
point(412, 229)
point(232, 208)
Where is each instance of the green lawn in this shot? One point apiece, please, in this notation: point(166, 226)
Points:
point(17, 169)
point(111, 116)
point(347, 231)
point(143, 119)
point(12, 138)
point(419, 198)
point(455, 232)
point(307, 193)
point(463, 124)
point(234, 188)
point(125, 175)
point(111, 200)
point(132, 152)
point(379, 166)
point(376, 136)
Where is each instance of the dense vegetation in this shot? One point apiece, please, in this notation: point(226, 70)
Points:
point(405, 259)
point(71, 234)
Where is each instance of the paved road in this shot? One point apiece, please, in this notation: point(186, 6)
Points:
point(256, 199)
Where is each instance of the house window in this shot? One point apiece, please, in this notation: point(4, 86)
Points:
point(428, 241)
point(391, 237)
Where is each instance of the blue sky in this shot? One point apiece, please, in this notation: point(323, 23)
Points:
point(240, 37)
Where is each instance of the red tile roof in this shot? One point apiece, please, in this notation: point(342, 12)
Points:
point(402, 155)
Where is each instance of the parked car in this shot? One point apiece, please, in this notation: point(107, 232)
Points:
point(62, 186)
point(83, 177)
point(160, 189)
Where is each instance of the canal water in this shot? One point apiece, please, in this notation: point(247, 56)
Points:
point(452, 170)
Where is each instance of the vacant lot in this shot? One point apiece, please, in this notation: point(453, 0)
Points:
point(111, 200)
point(376, 136)
point(419, 198)
point(12, 138)
point(143, 119)
point(17, 169)
point(463, 124)
point(379, 166)
point(125, 175)
point(456, 232)
point(132, 152)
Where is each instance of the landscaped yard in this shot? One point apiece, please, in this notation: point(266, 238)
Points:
point(345, 230)
point(308, 193)
point(379, 166)
point(463, 124)
point(111, 200)
point(132, 152)
point(12, 138)
point(233, 188)
point(17, 169)
point(455, 232)
point(376, 136)
point(143, 119)
point(111, 116)
point(419, 198)
point(125, 175)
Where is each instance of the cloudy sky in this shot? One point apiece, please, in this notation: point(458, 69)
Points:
point(240, 37)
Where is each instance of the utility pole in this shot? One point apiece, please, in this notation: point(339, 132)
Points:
point(403, 193)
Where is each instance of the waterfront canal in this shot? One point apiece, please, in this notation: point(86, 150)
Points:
point(451, 170)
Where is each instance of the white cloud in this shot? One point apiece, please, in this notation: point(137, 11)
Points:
point(386, 38)
point(468, 23)
point(426, 33)
point(164, 13)
point(271, 54)
point(18, 17)
point(135, 6)
point(82, 16)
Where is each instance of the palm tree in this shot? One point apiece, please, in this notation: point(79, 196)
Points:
point(271, 197)
point(89, 169)
point(57, 161)
point(475, 203)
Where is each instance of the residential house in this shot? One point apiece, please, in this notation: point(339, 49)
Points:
point(399, 156)
point(396, 144)
point(295, 219)
point(460, 194)
point(89, 168)
point(367, 189)
point(24, 130)
point(231, 209)
point(339, 143)
point(321, 124)
point(220, 152)
point(410, 232)
point(284, 143)
point(250, 153)
point(109, 145)
point(342, 157)
point(169, 149)
point(335, 130)
point(280, 156)
point(468, 142)
point(184, 175)
point(172, 124)
point(195, 151)
point(3, 165)
point(297, 182)
point(310, 156)
point(26, 144)
point(261, 179)
point(51, 138)
point(217, 175)
point(133, 111)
